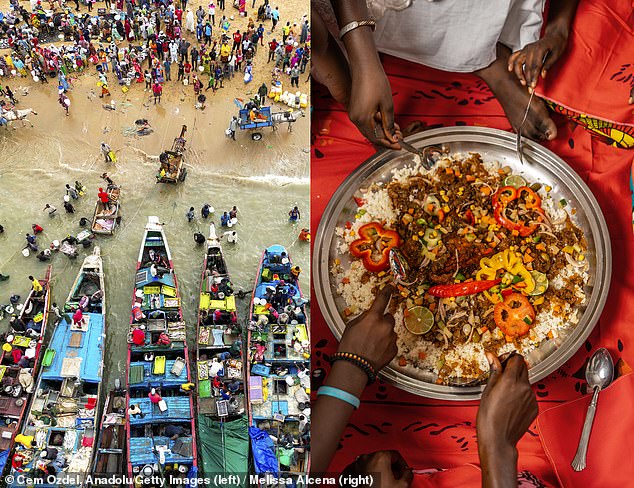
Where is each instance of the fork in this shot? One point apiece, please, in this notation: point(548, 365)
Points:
point(518, 140)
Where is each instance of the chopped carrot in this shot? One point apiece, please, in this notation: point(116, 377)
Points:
point(528, 258)
point(486, 190)
point(457, 173)
point(449, 171)
point(540, 247)
point(515, 233)
point(402, 361)
point(432, 306)
point(347, 311)
point(410, 211)
point(422, 355)
point(430, 207)
point(470, 178)
point(492, 244)
point(508, 338)
point(550, 334)
point(346, 280)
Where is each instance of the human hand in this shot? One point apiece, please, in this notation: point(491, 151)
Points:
point(372, 335)
point(371, 108)
point(508, 405)
point(526, 63)
point(390, 467)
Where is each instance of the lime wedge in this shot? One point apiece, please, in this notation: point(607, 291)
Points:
point(541, 283)
point(515, 181)
point(419, 320)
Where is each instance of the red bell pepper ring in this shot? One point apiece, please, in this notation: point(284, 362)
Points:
point(373, 246)
point(359, 201)
point(462, 289)
point(532, 201)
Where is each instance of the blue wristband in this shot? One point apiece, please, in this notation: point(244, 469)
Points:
point(339, 394)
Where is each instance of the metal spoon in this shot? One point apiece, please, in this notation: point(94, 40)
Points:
point(599, 374)
point(401, 269)
point(424, 154)
point(518, 140)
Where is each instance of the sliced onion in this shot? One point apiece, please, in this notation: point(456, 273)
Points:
point(560, 221)
point(573, 262)
point(548, 234)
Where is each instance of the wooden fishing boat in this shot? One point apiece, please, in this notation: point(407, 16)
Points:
point(61, 426)
point(20, 364)
point(222, 421)
point(172, 169)
point(105, 220)
point(110, 455)
point(278, 370)
point(161, 435)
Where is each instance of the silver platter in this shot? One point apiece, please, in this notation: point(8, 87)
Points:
point(541, 165)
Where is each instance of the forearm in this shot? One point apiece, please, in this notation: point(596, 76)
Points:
point(359, 42)
point(560, 16)
point(499, 467)
point(330, 415)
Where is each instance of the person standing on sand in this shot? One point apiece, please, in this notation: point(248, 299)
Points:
point(105, 150)
point(157, 89)
point(295, 76)
point(212, 13)
point(189, 21)
point(275, 17)
point(103, 81)
point(233, 125)
point(167, 66)
point(64, 101)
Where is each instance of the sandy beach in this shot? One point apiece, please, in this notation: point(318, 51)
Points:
point(279, 153)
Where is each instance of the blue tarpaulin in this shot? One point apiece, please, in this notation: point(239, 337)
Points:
point(4, 455)
point(263, 452)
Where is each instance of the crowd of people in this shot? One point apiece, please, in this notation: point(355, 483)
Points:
point(146, 42)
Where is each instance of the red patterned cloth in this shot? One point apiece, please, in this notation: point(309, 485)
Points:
point(441, 434)
point(598, 70)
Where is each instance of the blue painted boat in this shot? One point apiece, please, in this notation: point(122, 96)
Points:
point(61, 425)
point(161, 435)
point(278, 370)
point(17, 379)
point(222, 421)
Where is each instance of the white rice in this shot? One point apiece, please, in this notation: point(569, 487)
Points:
point(424, 358)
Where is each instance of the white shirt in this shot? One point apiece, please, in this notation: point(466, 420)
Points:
point(452, 35)
point(458, 35)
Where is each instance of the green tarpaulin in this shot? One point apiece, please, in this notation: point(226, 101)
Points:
point(224, 446)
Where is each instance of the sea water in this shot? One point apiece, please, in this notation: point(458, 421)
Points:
point(35, 165)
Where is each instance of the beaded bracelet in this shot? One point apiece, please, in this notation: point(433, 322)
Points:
point(359, 361)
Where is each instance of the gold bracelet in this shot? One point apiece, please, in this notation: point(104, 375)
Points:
point(354, 24)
